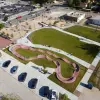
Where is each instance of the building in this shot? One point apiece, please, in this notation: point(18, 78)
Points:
point(74, 16)
point(58, 1)
point(94, 20)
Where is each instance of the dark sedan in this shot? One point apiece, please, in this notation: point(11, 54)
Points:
point(46, 91)
point(32, 83)
point(22, 77)
point(6, 63)
point(14, 69)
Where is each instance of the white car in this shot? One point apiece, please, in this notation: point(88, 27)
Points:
point(53, 95)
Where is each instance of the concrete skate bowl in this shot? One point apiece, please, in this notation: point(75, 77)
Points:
point(71, 79)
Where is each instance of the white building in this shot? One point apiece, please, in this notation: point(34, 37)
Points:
point(95, 20)
point(74, 16)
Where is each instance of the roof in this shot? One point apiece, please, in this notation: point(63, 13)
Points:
point(4, 42)
point(96, 17)
point(76, 14)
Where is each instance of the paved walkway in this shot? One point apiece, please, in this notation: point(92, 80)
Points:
point(89, 73)
point(25, 41)
point(95, 27)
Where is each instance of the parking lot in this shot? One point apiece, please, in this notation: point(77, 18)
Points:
point(9, 9)
point(33, 73)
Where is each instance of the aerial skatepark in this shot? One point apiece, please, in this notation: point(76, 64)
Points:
point(71, 79)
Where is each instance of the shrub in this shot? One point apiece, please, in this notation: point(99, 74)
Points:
point(11, 35)
point(8, 98)
point(5, 18)
point(63, 97)
point(44, 71)
point(55, 22)
point(1, 26)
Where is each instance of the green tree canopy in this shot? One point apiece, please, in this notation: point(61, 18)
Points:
point(41, 2)
point(1, 26)
point(70, 2)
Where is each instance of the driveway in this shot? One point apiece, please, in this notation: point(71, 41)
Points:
point(8, 85)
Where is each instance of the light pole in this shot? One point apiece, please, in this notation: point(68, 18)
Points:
point(42, 17)
point(34, 25)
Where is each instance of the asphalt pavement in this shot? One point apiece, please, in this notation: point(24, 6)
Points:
point(28, 16)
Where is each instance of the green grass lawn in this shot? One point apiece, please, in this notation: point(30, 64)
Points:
point(67, 71)
point(94, 76)
point(8, 52)
point(85, 32)
point(69, 86)
point(46, 63)
point(27, 53)
point(65, 42)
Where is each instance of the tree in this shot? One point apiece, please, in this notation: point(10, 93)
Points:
point(5, 18)
point(8, 98)
point(69, 2)
point(91, 49)
point(76, 2)
point(41, 2)
point(7, 35)
point(63, 97)
point(73, 2)
point(89, 6)
point(1, 26)
point(12, 35)
point(84, 0)
point(2, 34)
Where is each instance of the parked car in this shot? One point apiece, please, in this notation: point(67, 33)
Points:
point(89, 85)
point(53, 95)
point(22, 77)
point(18, 17)
point(96, 8)
point(88, 17)
point(14, 69)
point(46, 91)
point(6, 63)
point(32, 83)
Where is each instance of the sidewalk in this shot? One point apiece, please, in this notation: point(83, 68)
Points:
point(8, 85)
point(89, 73)
point(31, 73)
point(25, 41)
